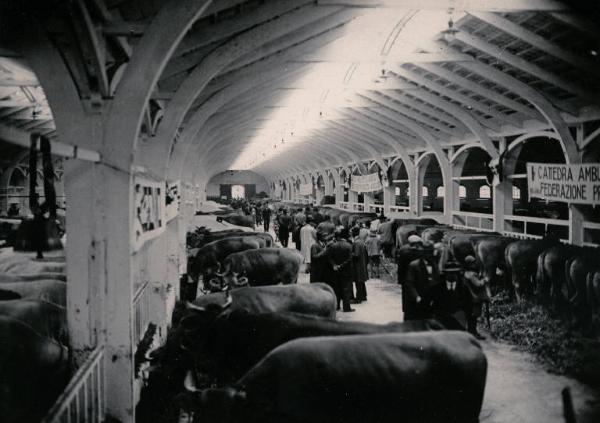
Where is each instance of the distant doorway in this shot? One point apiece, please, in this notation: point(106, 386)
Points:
point(238, 191)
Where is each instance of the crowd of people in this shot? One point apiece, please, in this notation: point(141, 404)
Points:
point(345, 258)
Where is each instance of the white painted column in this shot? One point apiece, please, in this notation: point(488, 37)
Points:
point(388, 198)
point(85, 252)
point(415, 180)
point(502, 201)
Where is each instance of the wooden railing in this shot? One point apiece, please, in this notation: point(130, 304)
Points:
point(399, 209)
point(84, 398)
point(141, 305)
point(588, 228)
point(344, 205)
point(478, 221)
point(520, 226)
point(375, 208)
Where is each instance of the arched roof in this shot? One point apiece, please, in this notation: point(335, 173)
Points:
point(285, 86)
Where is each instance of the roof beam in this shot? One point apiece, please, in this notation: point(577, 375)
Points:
point(538, 41)
point(525, 66)
point(458, 5)
point(205, 35)
point(461, 98)
point(353, 56)
point(482, 91)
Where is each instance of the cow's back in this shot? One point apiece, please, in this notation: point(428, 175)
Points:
point(420, 377)
point(48, 290)
point(47, 319)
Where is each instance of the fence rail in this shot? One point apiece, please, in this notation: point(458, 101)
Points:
point(468, 220)
point(521, 226)
point(399, 209)
point(84, 398)
point(141, 305)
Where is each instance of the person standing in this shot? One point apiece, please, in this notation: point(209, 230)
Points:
point(308, 237)
point(298, 222)
point(360, 259)
point(284, 224)
point(339, 254)
point(479, 295)
point(373, 245)
point(266, 215)
point(421, 276)
point(320, 270)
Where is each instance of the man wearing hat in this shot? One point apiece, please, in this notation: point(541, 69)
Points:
point(308, 237)
point(421, 275)
point(320, 270)
point(339, 254)
point(406, 254)
point(479, 294)
point(373, 245)
point(450, 297)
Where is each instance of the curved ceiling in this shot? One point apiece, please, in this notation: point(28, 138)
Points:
point(285, 86)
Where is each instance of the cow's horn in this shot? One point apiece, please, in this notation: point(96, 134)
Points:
point(243, 281)
point(189, 383)
point(192, 306)
point(229, 300)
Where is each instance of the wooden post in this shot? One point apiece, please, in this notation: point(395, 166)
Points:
point(33, 200)
point(49, 191)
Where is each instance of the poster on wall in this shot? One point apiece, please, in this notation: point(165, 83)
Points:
point(172, 199)
point(577, 184)
point(149, 210)
point(306, 189)
point(366, 183)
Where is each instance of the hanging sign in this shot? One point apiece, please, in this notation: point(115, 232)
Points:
point(366, 183)
point(306, 189)
point(172, 199)
point(149, 210)
point(579, 184)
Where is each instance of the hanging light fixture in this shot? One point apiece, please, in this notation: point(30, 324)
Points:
point(449, 33)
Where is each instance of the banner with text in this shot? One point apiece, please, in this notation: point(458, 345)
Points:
point(149, 210)
point(306, 189)
point(366, 183)
point(579, 183)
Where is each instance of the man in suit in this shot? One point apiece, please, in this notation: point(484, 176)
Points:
point(421, 276)
point(339, 254)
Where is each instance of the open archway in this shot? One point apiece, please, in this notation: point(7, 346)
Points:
point(430, 180)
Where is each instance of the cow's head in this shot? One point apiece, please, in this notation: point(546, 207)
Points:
point(216, 404)
point(195, 325)
point(231, 279)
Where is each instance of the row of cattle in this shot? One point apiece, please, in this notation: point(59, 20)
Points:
point(234, 258)
point(277, 353)
point(33, 336)
point(564, 277)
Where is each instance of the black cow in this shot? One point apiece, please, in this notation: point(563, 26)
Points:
point(48, 290)
point(34, 370)
point(266, 266)
point(235, 341)
point(207, 260)
point(419, 377)
point(238, 220)
point(47, 319)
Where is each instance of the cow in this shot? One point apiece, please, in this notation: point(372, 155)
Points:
point(489, 253)
point(47, 319)
point(460, 245)
point(8, 295)
point(593, 296)
point(235, 341)
point(32, 277)
point(266, 266)
point(47, 290)
point(202, 236)
point(417, 377)
point(551, 275)
point(316, 299)
point(34, 371)
point(577, 269)
point(238, 220)
point(21, 264)
point(434, 234)
point(207, 260)
point(521, 259)
point(216, 236)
